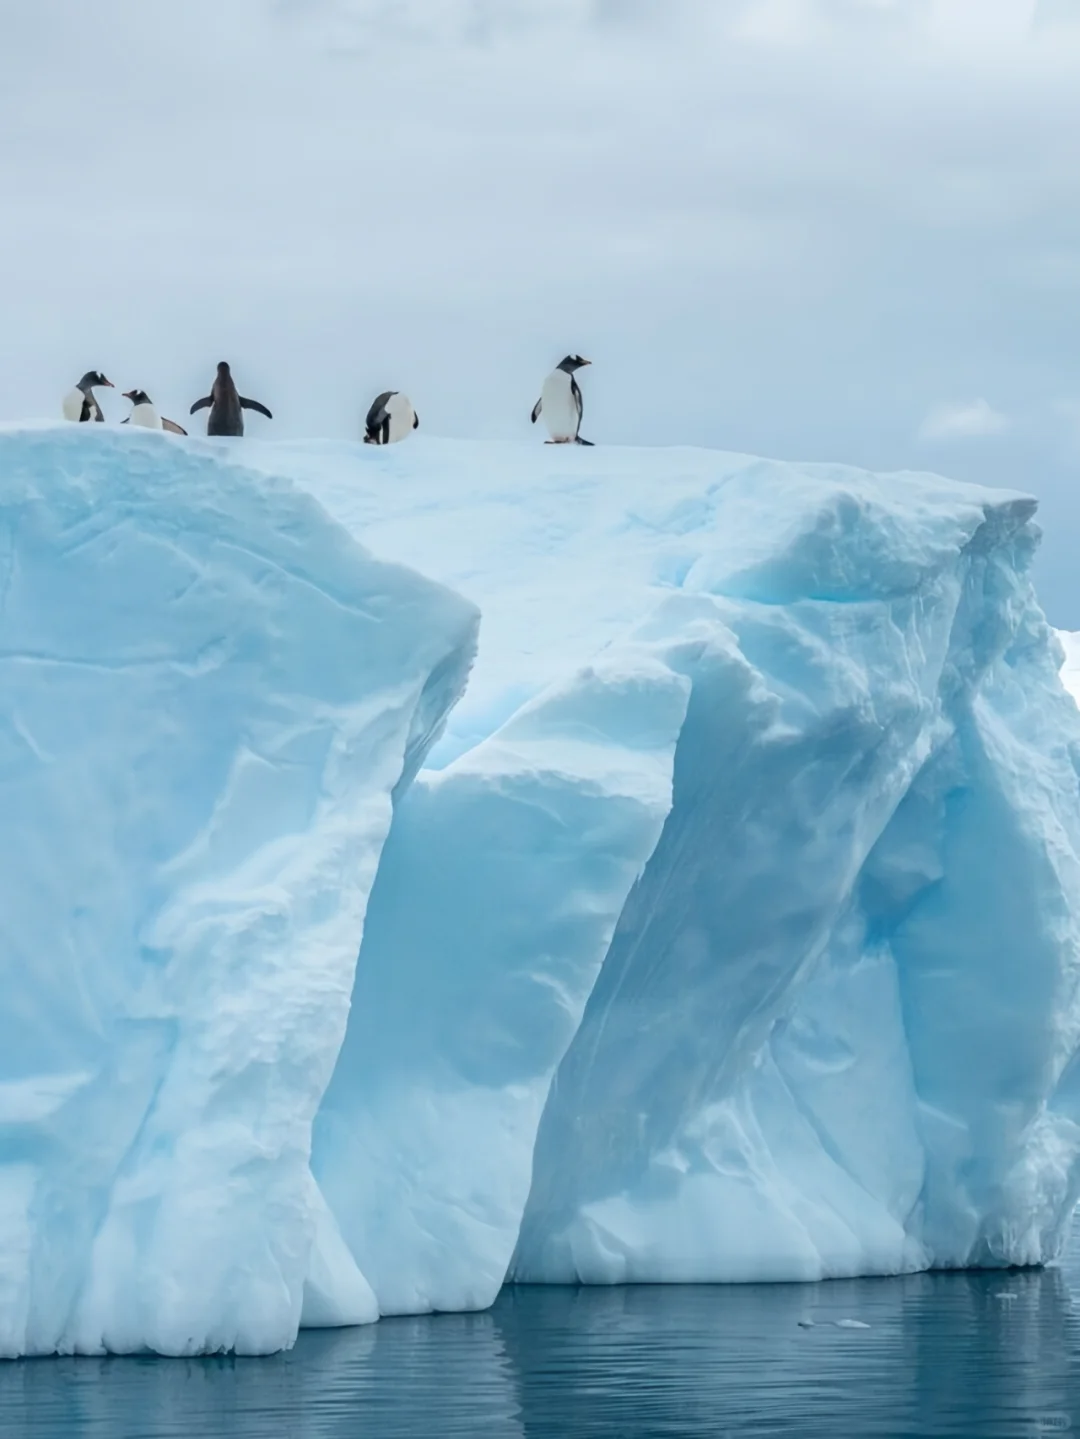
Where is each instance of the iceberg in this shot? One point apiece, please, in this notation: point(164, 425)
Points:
point(716, 919)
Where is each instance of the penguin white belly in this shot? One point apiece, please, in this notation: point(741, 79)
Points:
point(146, 416)
point(402, 418)
point(73, 404)
point(558, 407)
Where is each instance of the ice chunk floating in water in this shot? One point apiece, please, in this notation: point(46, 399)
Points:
point(730, 932)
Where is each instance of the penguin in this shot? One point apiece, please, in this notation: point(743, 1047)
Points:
point(81, 405)
point(226, 406)
point(390, 419)
point(561, 403)
point(146, 415)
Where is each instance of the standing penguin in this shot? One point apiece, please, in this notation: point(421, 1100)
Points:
point(146, 415)
point(390, 419)
point(561, 403)
point(226, 405)
point(81, 404)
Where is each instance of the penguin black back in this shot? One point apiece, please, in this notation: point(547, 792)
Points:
point(377, 424)
point(227, 405)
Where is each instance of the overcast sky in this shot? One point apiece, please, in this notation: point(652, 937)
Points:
point(814, 229)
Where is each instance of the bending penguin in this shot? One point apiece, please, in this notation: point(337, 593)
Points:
point(227, 405)
point(145, 415)
point(561, 404)
point(81, 404)
point(390, 419)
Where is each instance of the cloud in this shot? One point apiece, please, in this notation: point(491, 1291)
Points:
point(969, 419)
point(779, 226)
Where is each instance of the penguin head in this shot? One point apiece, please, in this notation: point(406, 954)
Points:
point(93, 378)
point(137, 397)
point(572, 363)
point(223, 369)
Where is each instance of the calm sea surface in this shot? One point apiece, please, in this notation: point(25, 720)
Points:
point(973, 1354)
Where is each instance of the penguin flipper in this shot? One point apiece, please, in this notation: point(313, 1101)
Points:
point(579, 403)
point(415, 421)
point(171, 426)
point(254, 405)
point(580, 441)
point(536, 411)
point(203, 404)
point(123, 422)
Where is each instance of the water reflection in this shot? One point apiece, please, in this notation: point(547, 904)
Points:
point(949, 1354)
point(943, 1355)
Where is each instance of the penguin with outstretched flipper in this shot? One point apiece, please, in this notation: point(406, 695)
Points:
point(227, 405)
point(144, 414)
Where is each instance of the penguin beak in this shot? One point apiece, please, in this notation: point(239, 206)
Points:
point(128, 394)
point(110, 384)
point(586, 362)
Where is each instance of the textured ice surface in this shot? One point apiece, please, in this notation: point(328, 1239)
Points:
point(496, 901)
point(208, 692)
point(729, 933)
point(833, 1028)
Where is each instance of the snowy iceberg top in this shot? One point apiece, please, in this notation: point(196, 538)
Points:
point(564, 550)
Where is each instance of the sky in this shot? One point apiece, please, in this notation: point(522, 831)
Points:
point(842, 230)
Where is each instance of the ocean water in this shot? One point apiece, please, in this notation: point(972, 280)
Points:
point(943, 1354)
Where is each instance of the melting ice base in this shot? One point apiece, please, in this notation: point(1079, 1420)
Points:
point(730, 932)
